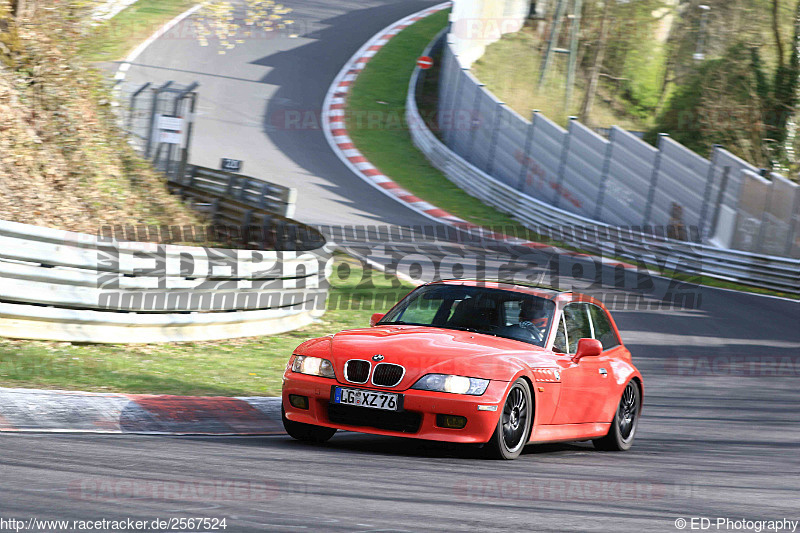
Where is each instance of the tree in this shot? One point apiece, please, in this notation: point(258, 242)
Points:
point(599, 57)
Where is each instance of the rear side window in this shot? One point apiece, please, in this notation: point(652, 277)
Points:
point(578, 326)
point(602, 328)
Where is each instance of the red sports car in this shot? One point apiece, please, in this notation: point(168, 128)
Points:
point(471, 362)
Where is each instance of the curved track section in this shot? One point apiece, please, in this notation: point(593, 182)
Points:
point(721, 421)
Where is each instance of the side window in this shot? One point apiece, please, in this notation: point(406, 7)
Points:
point(602, 328)
point(578, 326)
point(560, 344)
point(511, 308)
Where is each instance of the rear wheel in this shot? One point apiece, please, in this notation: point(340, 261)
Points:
point(306, 432)
point(514, 425)
point(623, 428)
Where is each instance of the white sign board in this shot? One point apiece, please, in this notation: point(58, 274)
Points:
point(169, 137)
point(166, 122)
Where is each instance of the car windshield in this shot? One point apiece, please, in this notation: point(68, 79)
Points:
point(508, 314)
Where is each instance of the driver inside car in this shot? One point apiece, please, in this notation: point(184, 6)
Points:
point(533, 316)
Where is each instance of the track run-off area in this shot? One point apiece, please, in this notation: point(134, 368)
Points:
point(720, 430)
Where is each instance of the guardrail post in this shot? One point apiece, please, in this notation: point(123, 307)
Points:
point(601, 188)
point(247, 221)
point(651, 191)
point(215, 206)
point(523, 171)
point(562, 165)
point(498, 117)
point(266, 228)
point(262, 202)
point(290, 197)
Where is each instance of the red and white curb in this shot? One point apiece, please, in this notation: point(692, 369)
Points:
point(49, 411)
point(335, 129)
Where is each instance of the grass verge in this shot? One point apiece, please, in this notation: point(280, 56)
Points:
point(375, 116)
point(240, 367)
point(116, 37)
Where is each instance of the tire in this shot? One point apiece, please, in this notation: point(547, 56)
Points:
point(623, 428)
point(306, 432)
point(514, 427)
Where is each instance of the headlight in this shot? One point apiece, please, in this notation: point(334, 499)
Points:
point(452, 384)
point(313, 366)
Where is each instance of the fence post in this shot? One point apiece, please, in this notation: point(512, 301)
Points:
point(476, 106)
point(651, 191)
point(723, 185)
point(763, 224)
point(153, 112)
point(707, 194)
point(601, 189)
point(523, 171)
point(794, 221)
point(562, 166)
point(498, 117)
point(189, 130)
point(132, 110)
point(461, 74)
point(450, 72)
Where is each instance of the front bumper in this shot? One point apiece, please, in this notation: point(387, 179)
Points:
point(416, 420)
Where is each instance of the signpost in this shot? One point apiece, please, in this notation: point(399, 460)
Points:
point(425, 62)
point(170, 129)
point(231, 165)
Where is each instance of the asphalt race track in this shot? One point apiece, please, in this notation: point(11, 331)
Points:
point(720, 431)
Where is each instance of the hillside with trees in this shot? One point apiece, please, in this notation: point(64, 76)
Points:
point(63, 161)
point(705, 72)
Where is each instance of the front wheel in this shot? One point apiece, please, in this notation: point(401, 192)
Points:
point(306, 432)
point(623, 428)
point(514, 425)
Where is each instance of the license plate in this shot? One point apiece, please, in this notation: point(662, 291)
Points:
point(366, 398)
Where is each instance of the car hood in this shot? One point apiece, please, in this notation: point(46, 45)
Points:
point(425, 350)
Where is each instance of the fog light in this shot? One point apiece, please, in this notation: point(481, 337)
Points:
point(451, 421)
point(300, 402)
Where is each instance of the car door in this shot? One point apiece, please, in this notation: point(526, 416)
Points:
point(585, 385)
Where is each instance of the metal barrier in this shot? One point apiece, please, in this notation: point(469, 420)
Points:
point(619, 180)
point(66, 286)
point(639, 245)
point(261, 194)
point(59, 285)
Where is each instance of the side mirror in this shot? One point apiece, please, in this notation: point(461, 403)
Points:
point(375, 319)
point(588, 348)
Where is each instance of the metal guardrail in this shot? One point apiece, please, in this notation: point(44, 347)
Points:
point(261, 194)
point(770, 272)
point(60, 285)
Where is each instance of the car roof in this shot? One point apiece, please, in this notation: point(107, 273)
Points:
point(541, 291)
